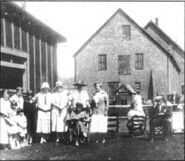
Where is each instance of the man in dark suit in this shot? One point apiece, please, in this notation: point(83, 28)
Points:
point(160, 116)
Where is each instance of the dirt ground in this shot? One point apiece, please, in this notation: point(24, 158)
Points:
point(116, 148)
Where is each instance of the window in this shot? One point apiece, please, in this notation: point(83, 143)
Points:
point(137, 86)
point(126, 32)
point(17, 37)
point(139, 61)
point(183, 88)
point(102, 62)
point(124, 64)
point(24, 40)
point(8, 34)
point(112, 87)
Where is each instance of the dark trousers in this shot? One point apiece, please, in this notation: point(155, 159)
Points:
point(160, 121)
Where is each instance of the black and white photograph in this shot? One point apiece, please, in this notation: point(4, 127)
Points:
point(92, 80)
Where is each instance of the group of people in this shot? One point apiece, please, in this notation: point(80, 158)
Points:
point(160, 114)
point(48, 112)
point(53, 110)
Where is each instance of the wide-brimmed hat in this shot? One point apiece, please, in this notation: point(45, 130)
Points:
point(158, 98)
point(58, 84)
point(80, 83)
point(45, 85)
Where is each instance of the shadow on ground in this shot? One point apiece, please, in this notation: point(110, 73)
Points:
point(116, 148)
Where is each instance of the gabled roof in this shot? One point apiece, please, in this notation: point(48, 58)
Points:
point(128, 87)
point(14, 11)
point(165, 37)
point(120, 11)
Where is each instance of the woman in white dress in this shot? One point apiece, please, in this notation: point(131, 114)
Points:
point(4, 113)
point(43, 101)
point(99, 119)
point(8, 125)
point(59, 111)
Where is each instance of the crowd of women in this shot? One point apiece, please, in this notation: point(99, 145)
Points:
point(52, 109)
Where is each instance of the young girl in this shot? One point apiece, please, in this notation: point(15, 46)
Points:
point(21, 127)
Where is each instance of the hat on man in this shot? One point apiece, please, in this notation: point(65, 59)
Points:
point(80, 83)
point(158, 98)
point(45, 85)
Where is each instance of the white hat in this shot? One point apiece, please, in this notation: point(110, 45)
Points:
point(45, 85)
point(59, 84)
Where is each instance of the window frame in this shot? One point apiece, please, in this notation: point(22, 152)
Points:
point(128, 71)
point(102, 62)
point(139, 61)
point(126, 32)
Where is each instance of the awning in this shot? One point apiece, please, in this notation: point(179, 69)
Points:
point(125, 88)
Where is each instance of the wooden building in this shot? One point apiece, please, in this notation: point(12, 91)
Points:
point(28, 50)
point(121, 52)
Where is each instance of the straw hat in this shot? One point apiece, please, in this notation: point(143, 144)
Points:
point(45, 85)
point(80, 83)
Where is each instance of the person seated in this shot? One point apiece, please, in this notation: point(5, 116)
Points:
point(160, 114)
point(80, 116)
point(131, 113)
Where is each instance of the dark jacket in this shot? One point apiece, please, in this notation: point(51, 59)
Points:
point(156, 110)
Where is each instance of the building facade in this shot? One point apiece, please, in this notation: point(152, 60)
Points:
point(121, 52)
point(28, 50)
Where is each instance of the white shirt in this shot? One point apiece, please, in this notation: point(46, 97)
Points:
point(80, 97)
point(60, 99)
point(5, 106)
point(43, 100)
point(18, 100)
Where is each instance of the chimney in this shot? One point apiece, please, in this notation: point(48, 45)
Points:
point(24, 5)
point(157, 22)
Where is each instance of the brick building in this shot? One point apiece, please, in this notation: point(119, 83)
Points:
point(28, 50)
point(121, 52)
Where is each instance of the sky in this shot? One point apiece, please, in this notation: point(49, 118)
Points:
point(77, 21)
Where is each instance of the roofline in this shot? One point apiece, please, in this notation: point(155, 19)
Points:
point(106, 22)
point(137, 26)
point(151, 23)
point(55, 35)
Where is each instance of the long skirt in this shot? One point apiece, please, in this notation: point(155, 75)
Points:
point(43, 122)
point(98, 123)
point(58, 120)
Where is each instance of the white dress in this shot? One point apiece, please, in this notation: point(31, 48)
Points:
point(22, 124)
point(4, 109)
point(99, 121)
point(43, 118)
point(58, 117)
point(139, 105)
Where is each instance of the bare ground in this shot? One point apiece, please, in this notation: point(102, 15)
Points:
point(116, 148)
